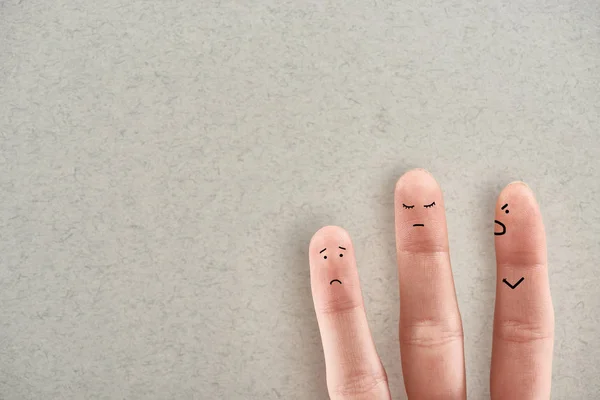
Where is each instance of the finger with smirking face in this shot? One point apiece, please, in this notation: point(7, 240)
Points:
point(524, 317)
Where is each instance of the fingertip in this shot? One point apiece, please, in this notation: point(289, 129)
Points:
point(517, 182)
point(518, 185)
point(419, 213)
point(416, 177)
point(326, 237)
point(327, 233)
point(331, 258)
point(517, 192)
point(519, 227)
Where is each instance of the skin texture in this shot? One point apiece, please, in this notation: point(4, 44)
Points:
point(430, 325)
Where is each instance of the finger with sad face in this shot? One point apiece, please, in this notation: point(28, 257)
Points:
point(353, 366)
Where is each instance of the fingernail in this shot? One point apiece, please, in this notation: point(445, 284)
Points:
point(523, 184)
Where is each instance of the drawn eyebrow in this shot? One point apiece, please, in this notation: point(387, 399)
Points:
point(504, 206)
point(323, 250)
point(343, 248)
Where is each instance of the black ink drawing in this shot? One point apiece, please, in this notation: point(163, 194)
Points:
point(425, 205)
point(500, 223)
point(325, 257)
point(516, 284)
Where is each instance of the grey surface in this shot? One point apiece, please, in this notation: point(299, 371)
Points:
point(165, 163)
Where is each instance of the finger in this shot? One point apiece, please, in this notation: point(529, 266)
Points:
point(524, 317)
point(431, 334)
point(354, 370)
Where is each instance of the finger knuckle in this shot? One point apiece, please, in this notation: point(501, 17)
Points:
point(361, 384)
point(431, 333)
point(340, 306)
point(522, 332)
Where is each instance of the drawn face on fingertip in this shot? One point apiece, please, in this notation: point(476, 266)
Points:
point(340, 254)
point(500, 231)
point(501, 227)
point(411, 208)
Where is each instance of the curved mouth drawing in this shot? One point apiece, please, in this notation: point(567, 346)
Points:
point(503, 228)
point(335, 280)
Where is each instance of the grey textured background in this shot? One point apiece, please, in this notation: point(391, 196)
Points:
point(165, 163)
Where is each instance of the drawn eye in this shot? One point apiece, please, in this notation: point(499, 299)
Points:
point(325, 256)
point(429, 205)
point(407, 207)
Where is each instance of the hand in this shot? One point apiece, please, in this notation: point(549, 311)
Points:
point(431, 333)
